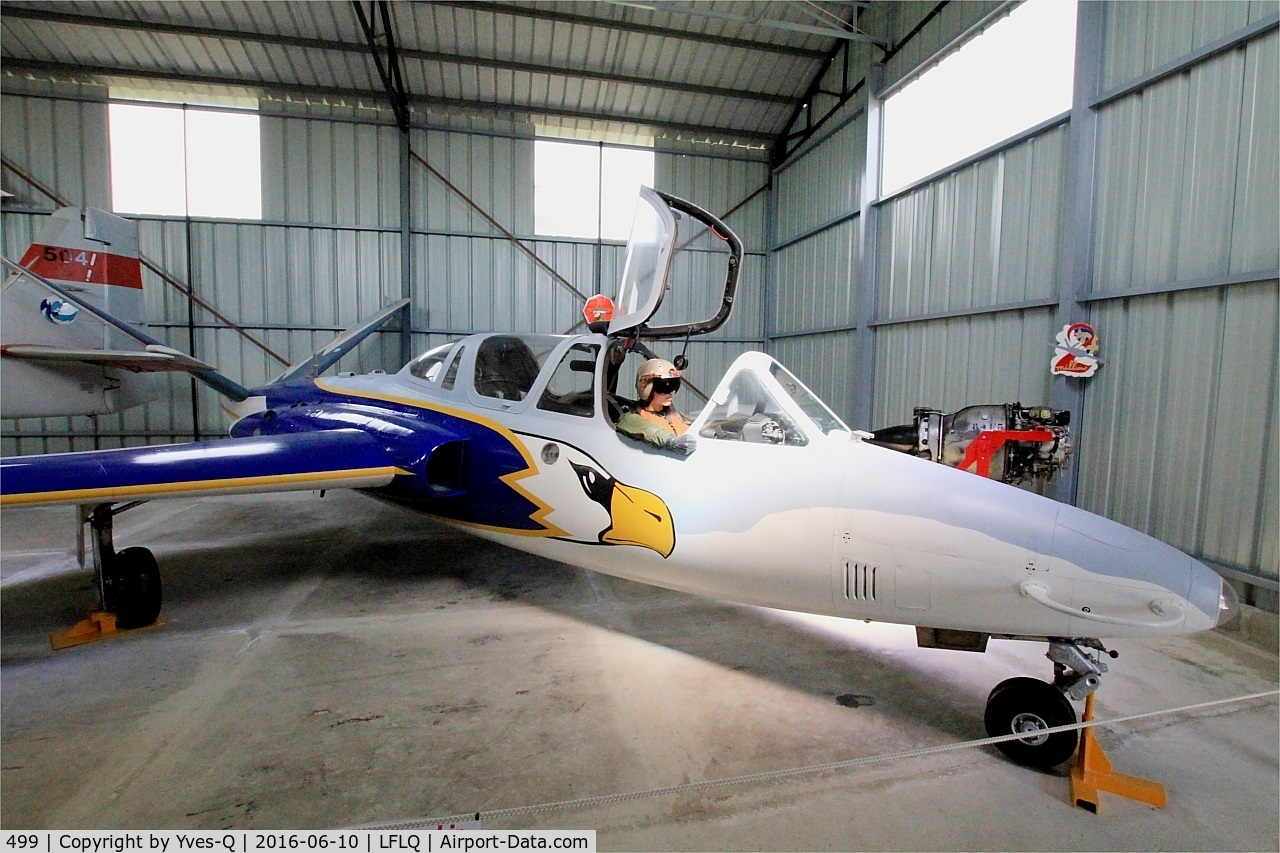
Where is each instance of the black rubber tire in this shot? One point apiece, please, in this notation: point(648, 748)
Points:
point(1024, 705)
point(133, 588)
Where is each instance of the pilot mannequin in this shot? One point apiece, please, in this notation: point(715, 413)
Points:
point(655, 420)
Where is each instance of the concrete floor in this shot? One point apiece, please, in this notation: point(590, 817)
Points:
point(336, 662)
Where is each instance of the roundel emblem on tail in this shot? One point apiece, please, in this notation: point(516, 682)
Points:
point(58, 311)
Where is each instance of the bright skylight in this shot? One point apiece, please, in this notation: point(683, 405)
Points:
point(177, 162)
point(1014, 75)
point(568, 199)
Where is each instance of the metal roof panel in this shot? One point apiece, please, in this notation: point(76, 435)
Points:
point(731, 66)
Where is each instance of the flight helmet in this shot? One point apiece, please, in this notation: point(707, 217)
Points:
point(652, 372)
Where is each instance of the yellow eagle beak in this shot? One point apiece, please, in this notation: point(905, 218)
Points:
point(640, 518)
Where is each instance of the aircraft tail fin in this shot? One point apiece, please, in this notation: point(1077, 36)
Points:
point(72, 329)
point(73, 333)
point(91, 254)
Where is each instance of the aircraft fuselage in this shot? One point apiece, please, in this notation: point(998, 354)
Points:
point(820, 523)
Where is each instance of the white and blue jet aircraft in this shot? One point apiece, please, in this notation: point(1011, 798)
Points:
point(513, 438)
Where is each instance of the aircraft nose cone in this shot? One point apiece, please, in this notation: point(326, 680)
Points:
point(1213, 594)
point(1228, 605)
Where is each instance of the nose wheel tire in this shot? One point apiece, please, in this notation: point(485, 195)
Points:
point(1028, 707)
point(131, 588)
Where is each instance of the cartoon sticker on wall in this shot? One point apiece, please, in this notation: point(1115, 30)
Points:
point(1076, 352)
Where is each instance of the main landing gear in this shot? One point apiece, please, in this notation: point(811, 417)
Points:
point(1029, 706)
point(128, 584)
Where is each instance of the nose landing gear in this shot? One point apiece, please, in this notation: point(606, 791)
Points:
point(1029, 706)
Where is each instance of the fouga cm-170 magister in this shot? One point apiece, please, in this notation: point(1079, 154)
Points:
point(512, 437)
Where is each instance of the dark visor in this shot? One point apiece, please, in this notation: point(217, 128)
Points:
point(666, 386)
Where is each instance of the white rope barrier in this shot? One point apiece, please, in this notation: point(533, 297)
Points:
point(688, 787)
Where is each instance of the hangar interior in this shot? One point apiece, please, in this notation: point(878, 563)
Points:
point(397, 150)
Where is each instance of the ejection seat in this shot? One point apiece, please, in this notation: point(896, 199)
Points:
point(505, 368)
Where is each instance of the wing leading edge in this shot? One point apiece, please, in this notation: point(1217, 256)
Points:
point(340, 458)
point(154, 358)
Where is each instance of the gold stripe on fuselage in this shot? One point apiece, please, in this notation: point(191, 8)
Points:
point(112, 493)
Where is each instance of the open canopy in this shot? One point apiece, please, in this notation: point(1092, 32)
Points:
point(647, 271)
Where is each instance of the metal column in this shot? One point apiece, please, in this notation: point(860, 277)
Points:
point(1077, 258)
point(864, 342)
point(406, 251)
point(770, 267)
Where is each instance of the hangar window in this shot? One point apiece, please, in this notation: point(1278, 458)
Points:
point(587, 190)
point(181, 161)
point(1013, 76)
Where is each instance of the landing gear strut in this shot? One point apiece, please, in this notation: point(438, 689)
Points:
point(128, 580)
point(128, 584)
point(1029, 707)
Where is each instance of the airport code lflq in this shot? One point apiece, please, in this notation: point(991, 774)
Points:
point(249, 841)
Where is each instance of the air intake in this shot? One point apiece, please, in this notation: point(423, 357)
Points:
point(860, 581)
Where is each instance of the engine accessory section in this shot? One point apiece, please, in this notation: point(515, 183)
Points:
point(1007, 442)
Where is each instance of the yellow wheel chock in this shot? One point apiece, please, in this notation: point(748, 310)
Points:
point(1092, 773)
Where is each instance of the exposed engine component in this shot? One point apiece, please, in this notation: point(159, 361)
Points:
point(1007, 442)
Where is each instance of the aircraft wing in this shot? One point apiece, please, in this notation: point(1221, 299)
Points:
point(321, 360)
point(304, 461)
point(154, 358)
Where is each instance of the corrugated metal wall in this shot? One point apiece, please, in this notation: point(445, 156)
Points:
point(811, 308)
point(967, 283)
point(816, 266)
point(328, 249)
point(719, 185)
point(1188, 172)
point(821, 185)
point(983, 236)
point(1142, 37)
point(61, 143)
point(1181, 426)
point(955, 362)
point(1179, 434)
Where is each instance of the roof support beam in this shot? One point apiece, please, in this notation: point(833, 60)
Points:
point(782, 147)
point(405, 53)
point(829, 26)
point(864, 337)
point(388, 66)
point(627, 26)
point(1079, 220)
point(81, 72)
point(22, 13)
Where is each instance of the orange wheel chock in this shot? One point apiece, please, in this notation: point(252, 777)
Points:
point(98, 626)
point(1092, 773)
